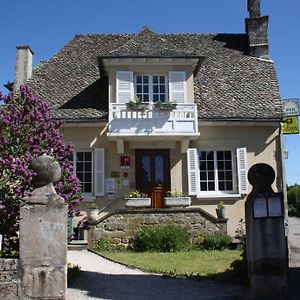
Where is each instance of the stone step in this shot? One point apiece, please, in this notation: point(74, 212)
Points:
point(77, 245)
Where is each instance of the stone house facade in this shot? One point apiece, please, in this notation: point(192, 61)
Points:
point(227, 115)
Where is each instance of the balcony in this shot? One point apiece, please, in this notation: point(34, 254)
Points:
point(179, 124)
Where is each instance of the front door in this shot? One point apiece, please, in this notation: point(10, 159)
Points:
point(152, 173)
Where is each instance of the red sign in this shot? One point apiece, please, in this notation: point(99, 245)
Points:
point(125, 161)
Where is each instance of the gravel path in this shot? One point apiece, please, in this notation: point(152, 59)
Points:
point(103, 279)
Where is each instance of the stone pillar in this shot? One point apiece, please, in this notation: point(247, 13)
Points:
point(43, 235)
point(265, 236)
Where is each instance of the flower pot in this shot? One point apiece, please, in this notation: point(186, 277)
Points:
point(138, 202)
point(177, 201)
point(220, 212)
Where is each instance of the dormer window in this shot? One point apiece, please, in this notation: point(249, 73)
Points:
point(151, 88)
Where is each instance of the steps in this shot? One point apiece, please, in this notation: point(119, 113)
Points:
point(77, 245)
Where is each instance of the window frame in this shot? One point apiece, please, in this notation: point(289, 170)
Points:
point(88, 196)
point(216, 191)
point(150, 85)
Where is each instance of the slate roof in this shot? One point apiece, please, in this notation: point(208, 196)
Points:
point(230, 84)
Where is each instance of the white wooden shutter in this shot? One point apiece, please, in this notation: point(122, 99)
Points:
point(125, 90)
point(193, 171)
point(242, 170)
point(177, 86)
point(99, 167)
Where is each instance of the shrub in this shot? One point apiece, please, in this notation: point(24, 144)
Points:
point(73, 272)
point(103, 244)
point(164, 239)
point(216, 241)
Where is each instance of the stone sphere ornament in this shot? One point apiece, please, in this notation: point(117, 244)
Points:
point(47, 170)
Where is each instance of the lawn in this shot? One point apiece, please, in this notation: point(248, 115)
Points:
point(191, 263)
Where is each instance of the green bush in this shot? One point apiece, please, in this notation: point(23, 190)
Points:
point(162, 239)
point(73, 273)
point(103, 244)
point(216, 241)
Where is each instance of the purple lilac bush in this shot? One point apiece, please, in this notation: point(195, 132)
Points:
point(27, 131)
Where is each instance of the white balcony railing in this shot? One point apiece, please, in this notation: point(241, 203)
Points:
point(181, 121)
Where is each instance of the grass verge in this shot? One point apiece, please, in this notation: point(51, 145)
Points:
point(187, 263)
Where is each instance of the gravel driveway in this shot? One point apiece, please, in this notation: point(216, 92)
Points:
point(103, 279)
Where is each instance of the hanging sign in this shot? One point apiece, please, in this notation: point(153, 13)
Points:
point(290, 125)
point(290, 107)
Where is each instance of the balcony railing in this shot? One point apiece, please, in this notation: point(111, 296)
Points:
point(181, 121)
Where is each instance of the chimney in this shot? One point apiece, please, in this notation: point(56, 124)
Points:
point(23, 69)
point(257, 31)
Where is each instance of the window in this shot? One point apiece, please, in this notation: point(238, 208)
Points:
point(83, 169)
point(151, 88)
point(216, 171)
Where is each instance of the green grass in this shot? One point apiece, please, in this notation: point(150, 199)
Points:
point(191, 263)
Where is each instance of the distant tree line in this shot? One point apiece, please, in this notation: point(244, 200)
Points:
point(293, 196)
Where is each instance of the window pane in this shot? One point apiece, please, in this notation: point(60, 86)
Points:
point(155, 79)
point(228, 155)
point(210, 165)
point(88, 167)
point(79, 156)
point(162, 89)
point(88, 156)
point(228, 175)
point(162, 97)
point(211, 175)
point(87, 188)
point(79, 167)
point(146, 172)
point(221, 175)
point(220, 155)
point(210, 155)
point(203, 186)
point(222, 186)
point(155, 89)
point(220, 165)
point(145, 79)
point(139, 88)
point(228, 165)
point(159, 169)
point(146, 89)
point(80, 176)
point(146, 98)
point(203, 176)
point(88, 177)
point(155, 98)
point(229, 185)
point(211, 186)
point(162, 79)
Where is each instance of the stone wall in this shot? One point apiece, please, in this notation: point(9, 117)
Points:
point(120, 226)
point(10, 279)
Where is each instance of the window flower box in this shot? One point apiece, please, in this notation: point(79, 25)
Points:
point(137, 199)
point(137, 104)
point(177, 201)
point(166, 106)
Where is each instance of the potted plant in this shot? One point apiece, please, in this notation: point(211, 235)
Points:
point(137, 199)
point(137, 104)
point(220, 210)
point(92, 211)
point(167, 105)
point(177, 199)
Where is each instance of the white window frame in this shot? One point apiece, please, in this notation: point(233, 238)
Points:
point(87, 197)
point(150, 82)
point(216, 192)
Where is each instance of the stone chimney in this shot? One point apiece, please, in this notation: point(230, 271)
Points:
point(23, 69)
point(257, 31)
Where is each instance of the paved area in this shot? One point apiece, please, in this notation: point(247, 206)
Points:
point(103, 279)
point(294, 261)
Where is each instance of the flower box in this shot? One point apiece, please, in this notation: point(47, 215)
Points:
point(137, 106)
point(177, 201)
point(138, 202)
point(166, 106)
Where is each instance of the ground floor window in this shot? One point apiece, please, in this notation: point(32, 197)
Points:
point(216, 171)
point(83, 169)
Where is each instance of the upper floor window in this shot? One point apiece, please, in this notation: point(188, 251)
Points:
point(151, 88)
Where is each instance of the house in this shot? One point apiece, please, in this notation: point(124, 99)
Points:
point(227, 115)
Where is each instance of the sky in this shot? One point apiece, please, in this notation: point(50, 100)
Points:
point(47, 25)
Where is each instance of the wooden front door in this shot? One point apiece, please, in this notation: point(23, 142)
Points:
point(152, 173)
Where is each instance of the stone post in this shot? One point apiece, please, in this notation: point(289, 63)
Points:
point(265, 235)
point(43, 235)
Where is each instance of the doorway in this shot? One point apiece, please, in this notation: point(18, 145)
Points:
point(152, 173)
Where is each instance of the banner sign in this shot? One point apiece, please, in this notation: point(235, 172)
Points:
point(290, 107)
point(290, 125)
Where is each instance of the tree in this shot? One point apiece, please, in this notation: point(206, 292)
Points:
point(293, 196)
point(27, 131)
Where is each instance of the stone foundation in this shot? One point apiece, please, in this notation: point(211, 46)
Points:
point(10, 279)
point(120, 226)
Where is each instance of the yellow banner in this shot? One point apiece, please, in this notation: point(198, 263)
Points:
point(290, 125)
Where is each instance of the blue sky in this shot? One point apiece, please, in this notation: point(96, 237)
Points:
point(47, 25)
